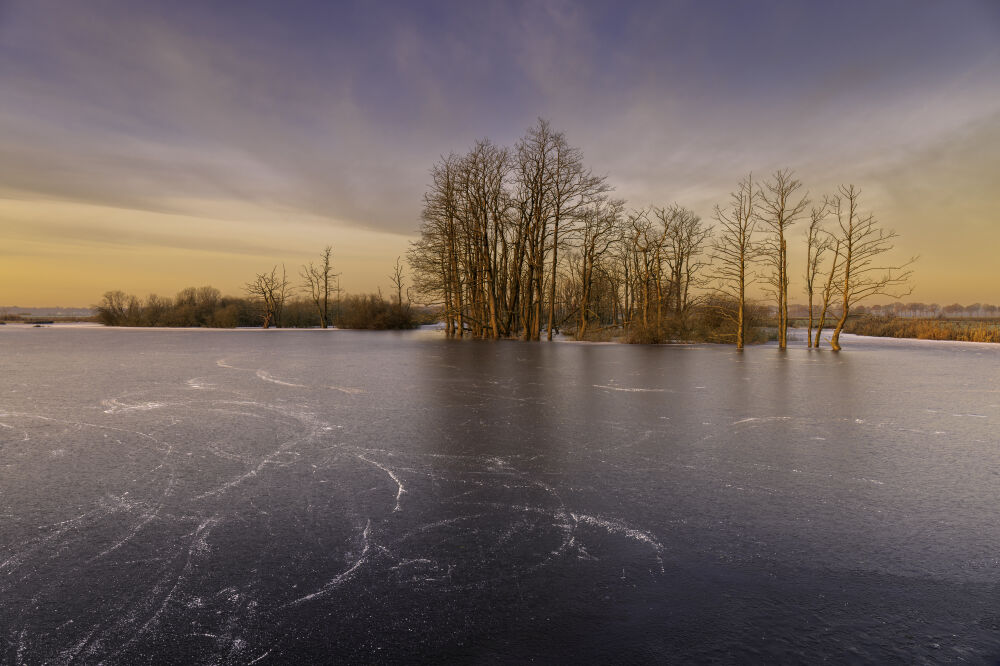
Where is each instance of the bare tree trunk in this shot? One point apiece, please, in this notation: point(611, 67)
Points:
point(584, 293)
point(326, 268)
point(449, 312)
point(848, 239)
point(740, 317)
point(784, 295)
point(827, 294)
point(552, 286)
point(817, 244)
point(457, 288)
point(536, 315)
point(809, 328)
point(846, 304)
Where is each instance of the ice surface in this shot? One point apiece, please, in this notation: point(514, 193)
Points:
point(284, 496)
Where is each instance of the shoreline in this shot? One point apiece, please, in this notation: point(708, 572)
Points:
point(793, 337)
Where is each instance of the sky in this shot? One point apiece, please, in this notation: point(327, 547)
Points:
point(149, 146)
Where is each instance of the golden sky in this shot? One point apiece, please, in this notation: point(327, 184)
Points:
point(153, 146)
point(69, 253)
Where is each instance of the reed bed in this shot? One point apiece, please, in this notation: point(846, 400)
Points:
point(926, 329)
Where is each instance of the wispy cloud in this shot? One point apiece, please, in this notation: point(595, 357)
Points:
point(331, 113)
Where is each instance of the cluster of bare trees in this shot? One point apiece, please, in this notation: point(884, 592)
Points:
point(269, 291)
point(270, 299)
point(519, 240)
point(494, 221)
point(319, 291)
point(844, 258)
point(658, 261)
point(858, 269)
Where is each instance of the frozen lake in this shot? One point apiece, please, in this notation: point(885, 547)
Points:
point(264, 497)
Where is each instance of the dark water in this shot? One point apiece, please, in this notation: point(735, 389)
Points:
point(282, 496)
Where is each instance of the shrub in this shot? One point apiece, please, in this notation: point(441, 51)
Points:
point(711, 320)
point(371, 311)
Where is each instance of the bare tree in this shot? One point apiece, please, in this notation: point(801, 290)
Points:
point(317, 283)
point(270, 291)
point(780, 207)
point(818, 243)
point(397, 282)
point(735, 250)
point(828, 292)
point(863, 242)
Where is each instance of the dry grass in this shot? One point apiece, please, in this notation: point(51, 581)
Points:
point(925, 329)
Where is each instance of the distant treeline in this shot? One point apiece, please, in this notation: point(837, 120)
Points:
point(207, 307)
point(271, 300)
point(935, 311)
point(44, 315)
point(31, 319)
